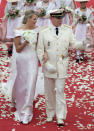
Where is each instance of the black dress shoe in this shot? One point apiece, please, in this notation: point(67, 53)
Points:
point(77, 60)
point(49, 119)
point(82, 58)
point(10, 50)
point(60, 122)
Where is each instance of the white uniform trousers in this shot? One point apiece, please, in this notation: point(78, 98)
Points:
point(55, 98)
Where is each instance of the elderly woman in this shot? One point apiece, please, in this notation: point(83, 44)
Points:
point(24, 68)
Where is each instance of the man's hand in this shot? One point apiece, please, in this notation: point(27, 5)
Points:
point(45, 57)
point(26, 43)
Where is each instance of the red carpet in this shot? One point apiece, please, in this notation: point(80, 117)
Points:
point(79, 91)
point(2, 7)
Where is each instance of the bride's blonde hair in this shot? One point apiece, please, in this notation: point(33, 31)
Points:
point(29, 14)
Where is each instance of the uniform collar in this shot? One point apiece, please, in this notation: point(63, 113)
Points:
point(54, 27)
point(53, 30)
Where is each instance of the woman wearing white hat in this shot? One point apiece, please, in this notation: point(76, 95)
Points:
point(82, 17)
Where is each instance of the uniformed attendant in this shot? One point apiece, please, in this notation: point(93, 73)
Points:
point(55, 40)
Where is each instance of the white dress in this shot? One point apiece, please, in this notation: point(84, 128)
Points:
point(12, 24)
point(66, 19)
point(44, 21)
point(81, 29)
point(22, 81)
point(27, 7)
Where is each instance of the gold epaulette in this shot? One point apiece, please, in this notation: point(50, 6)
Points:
point(67, 26)
point(43, 28)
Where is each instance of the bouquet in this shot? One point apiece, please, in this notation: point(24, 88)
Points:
point(30, 36)
point(81, 18)
point(13, 13)
point(41, 12)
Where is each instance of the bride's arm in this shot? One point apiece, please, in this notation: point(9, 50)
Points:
point(18, 45)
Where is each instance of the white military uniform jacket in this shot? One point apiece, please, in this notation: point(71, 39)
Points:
point(57, 49)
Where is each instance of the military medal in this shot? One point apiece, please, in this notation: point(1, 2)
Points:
point(48, 43)
point(62, 56)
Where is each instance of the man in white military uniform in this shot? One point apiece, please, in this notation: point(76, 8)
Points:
point(55, 40)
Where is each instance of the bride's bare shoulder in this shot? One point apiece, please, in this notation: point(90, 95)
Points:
point(20, 28)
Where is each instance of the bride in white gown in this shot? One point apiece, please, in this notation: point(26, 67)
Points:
point(24, 70)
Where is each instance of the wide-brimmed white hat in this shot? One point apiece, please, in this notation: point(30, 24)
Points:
point(12, 0)
point(82, 0)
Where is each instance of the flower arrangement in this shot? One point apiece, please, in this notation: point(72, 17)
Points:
point(13, 13)
point(30, 36)
point(41, 12)
point(81, 18)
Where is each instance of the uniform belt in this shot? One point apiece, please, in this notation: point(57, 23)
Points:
point(62, 56)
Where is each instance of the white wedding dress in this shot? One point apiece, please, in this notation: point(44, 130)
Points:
point(23, 79)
